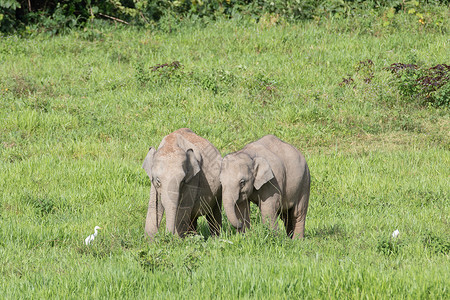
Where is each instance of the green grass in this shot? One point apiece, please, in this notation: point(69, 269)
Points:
point(78, 113)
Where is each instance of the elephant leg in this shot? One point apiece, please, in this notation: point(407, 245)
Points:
point(215, 219)
point(269, 210)
point(299, 215)
point(243, 213)
point(193, 225)
point(288, 220)
point(186, 218)
point(184, 222)
point(154, 214)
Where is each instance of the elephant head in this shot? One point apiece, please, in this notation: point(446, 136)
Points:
point(173, 171)
point(240, 175)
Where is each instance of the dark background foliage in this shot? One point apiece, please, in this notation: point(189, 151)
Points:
point(56, 16)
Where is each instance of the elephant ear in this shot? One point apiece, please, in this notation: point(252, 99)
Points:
point(194, 158)
point(263, 172)
point(185, 144)
point(193, 165)
point(148, 161)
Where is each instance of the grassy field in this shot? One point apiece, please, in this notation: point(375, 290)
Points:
point(78, 113)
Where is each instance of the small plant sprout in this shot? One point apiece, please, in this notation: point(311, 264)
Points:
point(91, 238)
point(395, 233)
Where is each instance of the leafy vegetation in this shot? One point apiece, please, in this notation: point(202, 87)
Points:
point(57, 17)
point(78, 112)
point(426, 84)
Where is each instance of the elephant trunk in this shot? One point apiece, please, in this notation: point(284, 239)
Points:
point(171, 219)
point(229, 203)
point(170, 202)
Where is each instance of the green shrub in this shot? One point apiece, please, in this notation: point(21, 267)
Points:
point(423, 85)
point(389, 247)
point(59, 16)
point(436, 244)
point(7, 14)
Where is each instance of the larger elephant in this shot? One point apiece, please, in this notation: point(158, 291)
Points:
point(184, 172)
point(272, 174)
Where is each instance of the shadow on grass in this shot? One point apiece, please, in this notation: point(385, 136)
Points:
point(333, 230)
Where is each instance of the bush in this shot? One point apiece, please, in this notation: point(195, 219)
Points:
point(49, 15)
point(57, 16)
point(416, 84)
point(423, 85)
point(7, 14)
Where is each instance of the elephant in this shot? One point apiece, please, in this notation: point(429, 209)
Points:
point(184, 172)
point(272, 174)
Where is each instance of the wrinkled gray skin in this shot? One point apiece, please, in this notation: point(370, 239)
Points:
point(272, 174)
point(185, 184)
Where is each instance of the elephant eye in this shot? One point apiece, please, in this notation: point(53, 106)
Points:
point(156, 182)
point(242, 183)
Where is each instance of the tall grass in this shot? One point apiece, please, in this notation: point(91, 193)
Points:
point(78, 113)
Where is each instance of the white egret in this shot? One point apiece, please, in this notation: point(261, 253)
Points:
point(395, 233)
point(90, 238)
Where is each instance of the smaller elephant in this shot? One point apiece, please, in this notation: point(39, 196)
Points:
point(184, 172)
point(272, 174)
